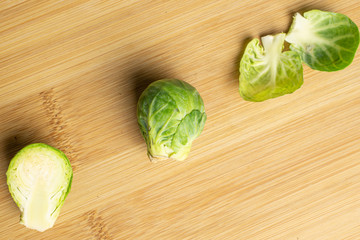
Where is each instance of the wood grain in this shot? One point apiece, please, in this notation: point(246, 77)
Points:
point(70, 76)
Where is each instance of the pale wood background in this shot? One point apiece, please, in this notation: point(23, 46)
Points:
point(71, 73)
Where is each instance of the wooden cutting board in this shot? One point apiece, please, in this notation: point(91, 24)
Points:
point(71, 74)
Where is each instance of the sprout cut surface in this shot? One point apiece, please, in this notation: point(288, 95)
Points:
point(39, 178)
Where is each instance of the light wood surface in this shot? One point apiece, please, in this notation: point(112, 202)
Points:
point(71, 74)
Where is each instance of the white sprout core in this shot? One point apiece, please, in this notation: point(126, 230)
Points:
point(40, 182)
point(273, 46)
point(302, 31)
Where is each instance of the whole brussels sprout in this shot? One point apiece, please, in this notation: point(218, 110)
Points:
point(171, 114)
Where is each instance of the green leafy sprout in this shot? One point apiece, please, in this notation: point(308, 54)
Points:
point(171, 114)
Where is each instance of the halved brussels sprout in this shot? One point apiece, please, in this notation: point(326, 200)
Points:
point(268, 72)
point(171, 115)
point(326, 41)
point(39, 179)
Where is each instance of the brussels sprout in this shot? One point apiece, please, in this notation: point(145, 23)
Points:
point(326, 41)
point(39, 179)
point(171, 115)
point(268, 72)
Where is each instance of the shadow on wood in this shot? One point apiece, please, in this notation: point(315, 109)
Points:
point(15, 142)
point(142, 77)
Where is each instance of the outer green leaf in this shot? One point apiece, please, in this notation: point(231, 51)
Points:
point(168, 110)
point(268, 72)
point(186, 132)
point(39, 179)
point(326, 41)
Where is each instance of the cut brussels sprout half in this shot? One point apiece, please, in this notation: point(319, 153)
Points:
point(326, 41)
point(171, 114)
point(39, 179)
point(267, 72)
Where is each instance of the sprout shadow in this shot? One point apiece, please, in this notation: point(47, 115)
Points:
point(308, 7)
point(12, 145)
point(141, 78)
point(16, 141)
